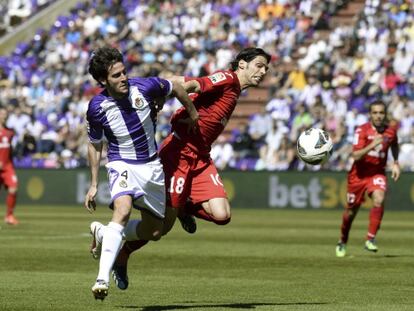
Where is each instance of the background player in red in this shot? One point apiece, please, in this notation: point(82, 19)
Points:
point(8, 176)
point(367, 175)
point(193, 184)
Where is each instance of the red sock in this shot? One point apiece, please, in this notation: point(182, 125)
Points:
point(347, 219)
point(375, 217)
point(127, 249)
point(132, 246)
point(10, 203)
point(198, 211)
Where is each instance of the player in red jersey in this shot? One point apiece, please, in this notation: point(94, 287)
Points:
point(367, 175)
point(193, 184)
point(8, 176)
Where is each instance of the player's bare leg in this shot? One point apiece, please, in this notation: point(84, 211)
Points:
point(375, 218)
point(215, 210)
point(111, 244)
point(10, 218)
point(150, 228)
point(348, 217)
point(96, 230)
point(119, 270)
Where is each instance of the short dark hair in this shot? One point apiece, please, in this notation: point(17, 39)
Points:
point(248, 54)
point(101, 60)
point(378, 102)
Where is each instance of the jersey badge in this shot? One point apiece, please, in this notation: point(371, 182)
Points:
point(123, 184)
point(217, 77)
point(223, 121)
point(139, 103)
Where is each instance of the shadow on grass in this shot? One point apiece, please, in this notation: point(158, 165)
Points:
point(395, 256)
point(224, 305)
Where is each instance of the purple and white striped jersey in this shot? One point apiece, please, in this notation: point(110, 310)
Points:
point(128, 124)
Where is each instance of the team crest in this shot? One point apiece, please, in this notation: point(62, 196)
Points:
point(139, 103)
point(223, 121)
point(217, 77)
point(123, 184)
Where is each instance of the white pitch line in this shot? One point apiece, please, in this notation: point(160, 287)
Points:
point(55, 237)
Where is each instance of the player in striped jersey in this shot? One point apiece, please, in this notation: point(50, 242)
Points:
point(124, 114)
point(194, 187)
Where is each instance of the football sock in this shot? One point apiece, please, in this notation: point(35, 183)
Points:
point(131, 246)
point(126, 250)
point(375, 217)
point(347, 219)
point(10, 203)
point(130, 232)
point(198, 211)
point(111, 244)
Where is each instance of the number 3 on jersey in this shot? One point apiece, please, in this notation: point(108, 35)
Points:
point(177, 186)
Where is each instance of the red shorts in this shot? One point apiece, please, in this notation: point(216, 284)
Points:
point(188, 175)
point(357, 187)
point(8, 177)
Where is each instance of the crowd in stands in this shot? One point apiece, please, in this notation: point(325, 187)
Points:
point(327, 83)
point(15, 12)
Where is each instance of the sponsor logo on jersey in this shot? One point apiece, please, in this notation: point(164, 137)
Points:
point(217, 77)
point(5, 143)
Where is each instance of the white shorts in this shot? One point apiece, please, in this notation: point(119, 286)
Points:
point(143, 182)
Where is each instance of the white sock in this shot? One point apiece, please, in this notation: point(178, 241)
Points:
point(111, 244)
point(99, 233)
point(130, 232)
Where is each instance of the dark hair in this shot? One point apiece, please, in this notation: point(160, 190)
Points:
point(378, 102)
point(248, 54)
point(101, 60)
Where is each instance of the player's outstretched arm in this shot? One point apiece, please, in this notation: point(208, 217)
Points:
point(190, 86)
point(94, 157)
point(395, 169)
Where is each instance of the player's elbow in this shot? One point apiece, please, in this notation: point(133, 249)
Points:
point(356, 156)
point(192, 86)
point(177, 79)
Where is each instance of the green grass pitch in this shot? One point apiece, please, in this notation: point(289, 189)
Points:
point(263, 260)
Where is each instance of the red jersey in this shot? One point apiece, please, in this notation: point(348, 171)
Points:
point(374, 161)
point(6, 136)
point(215, 104)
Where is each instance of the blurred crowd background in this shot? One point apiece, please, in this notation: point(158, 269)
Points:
point(323, 73)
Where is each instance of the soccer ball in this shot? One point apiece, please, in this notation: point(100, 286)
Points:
point(314, 146)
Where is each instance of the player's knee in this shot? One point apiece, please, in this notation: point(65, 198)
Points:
point(221, 214)
point(378, 199)
point(222, 222)
point(378, 202)
point(221, 217)
point(152, 236)
point(156, 235)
